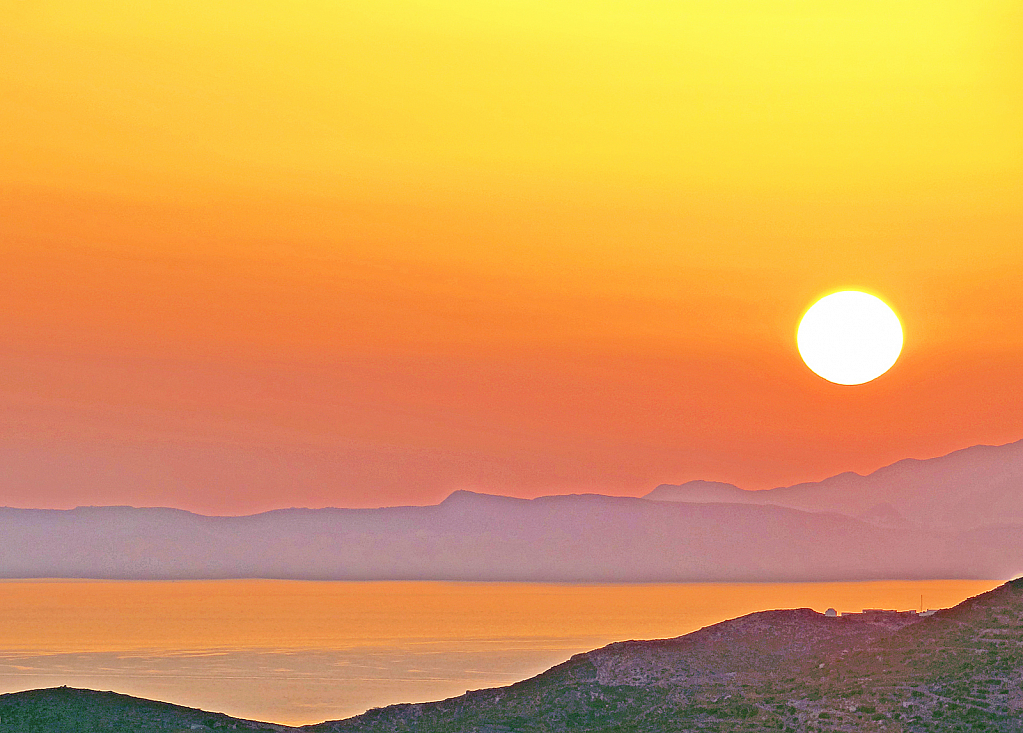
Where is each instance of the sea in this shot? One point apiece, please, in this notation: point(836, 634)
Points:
point(298, 652)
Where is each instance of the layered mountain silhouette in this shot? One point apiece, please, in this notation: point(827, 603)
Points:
point(960, 516)
point(794, 670)
point(964, 490)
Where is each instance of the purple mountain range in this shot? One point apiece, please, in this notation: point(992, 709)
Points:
point(968, 489)
point(959, 516)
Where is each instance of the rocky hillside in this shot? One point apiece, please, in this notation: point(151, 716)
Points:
point(961, 669)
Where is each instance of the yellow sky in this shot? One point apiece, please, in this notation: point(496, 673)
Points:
point(530, 180)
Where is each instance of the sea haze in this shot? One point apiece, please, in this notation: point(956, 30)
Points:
point(301, 652)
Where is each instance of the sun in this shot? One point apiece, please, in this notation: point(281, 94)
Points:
point(849, 337)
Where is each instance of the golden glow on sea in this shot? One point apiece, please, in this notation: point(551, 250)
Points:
point(303, 652)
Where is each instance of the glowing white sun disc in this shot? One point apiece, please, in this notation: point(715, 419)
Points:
point(849, 337)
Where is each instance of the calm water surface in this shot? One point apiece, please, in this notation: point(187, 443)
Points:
point(302, 652)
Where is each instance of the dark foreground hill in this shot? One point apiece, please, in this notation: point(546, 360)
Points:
point(68, 710)
point(799, 671)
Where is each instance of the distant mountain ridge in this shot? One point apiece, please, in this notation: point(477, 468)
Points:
point(701, 531)
point(961, 491)
point(582, 538)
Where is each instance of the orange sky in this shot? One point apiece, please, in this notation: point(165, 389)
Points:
point(263, 254)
